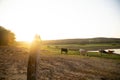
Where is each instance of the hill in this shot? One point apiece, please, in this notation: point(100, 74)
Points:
point(84, 41)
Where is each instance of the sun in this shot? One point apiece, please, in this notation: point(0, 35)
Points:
point(26, 38)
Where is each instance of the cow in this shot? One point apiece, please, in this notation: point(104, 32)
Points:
point(102, 51)
point(107, 52)
point(65, 50)
point(110, 51)
point(83, 52)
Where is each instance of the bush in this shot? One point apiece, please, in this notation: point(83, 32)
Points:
point(6, 36)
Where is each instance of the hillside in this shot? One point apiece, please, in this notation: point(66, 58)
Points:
point(84, 41)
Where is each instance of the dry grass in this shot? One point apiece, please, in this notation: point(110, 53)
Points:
point(13, 66)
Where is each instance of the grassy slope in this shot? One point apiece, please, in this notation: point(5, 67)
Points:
point(113, 41)
point(54, 66)
point(86, 46)
point(87, 43)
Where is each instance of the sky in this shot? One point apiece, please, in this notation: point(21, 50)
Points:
point(61, 19)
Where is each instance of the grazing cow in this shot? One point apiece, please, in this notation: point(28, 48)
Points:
point(107, 52)
point(65, 50)
point(110, 51)
point(83, 51)
point(102, 51)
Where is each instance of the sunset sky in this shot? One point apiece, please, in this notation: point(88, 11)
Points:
point(61, 19)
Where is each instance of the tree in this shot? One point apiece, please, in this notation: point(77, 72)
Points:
point(6, 36)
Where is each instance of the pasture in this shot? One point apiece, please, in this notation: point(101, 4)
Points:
point(73, 50)
point(85, 46)
point(56, 66)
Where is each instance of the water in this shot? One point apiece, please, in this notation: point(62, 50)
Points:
point(116, 51)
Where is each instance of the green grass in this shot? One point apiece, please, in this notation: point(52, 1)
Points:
point(56, 51)
point(107, 56)
point(85, 46)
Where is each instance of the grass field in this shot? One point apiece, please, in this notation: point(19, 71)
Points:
point(86, 46)
point(73, 50)
point(56, 66)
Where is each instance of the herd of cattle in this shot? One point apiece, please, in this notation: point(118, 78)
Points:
point(84, 51)
point(81, 51)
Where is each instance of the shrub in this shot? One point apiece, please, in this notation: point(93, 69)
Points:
point(6, 36)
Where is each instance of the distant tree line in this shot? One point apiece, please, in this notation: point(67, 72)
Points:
point(85, 41)
point(6, 36)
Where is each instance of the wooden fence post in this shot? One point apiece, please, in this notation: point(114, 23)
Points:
point(33, 59)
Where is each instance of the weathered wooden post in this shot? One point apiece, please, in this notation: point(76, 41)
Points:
point(33, 59)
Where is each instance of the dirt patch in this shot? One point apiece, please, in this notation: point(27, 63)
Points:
point(79, 68)
point(13, 63)
point(13, 66)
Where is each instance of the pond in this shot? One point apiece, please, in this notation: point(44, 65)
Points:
point(116, 51)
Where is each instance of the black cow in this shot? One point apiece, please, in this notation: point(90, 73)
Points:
point(102, 51)
point(65, 50)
